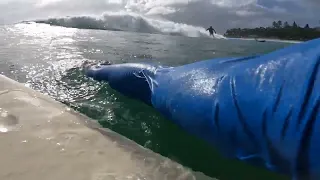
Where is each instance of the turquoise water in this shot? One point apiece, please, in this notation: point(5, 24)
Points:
point(49, 59)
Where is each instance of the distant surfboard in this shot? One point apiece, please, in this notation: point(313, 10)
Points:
point(260, 40)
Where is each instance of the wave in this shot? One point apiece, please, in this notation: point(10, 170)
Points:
point(124, 21)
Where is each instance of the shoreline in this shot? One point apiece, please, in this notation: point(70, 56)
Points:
point(267, 39)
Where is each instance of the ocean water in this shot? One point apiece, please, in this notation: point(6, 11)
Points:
point(49, 59)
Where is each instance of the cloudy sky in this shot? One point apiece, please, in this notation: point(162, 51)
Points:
point(222, 14)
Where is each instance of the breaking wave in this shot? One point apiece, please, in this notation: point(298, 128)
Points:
point(129, 22)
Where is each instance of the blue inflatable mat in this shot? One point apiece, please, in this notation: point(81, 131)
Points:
point(263, 110)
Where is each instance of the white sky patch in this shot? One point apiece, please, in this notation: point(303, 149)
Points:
point(233, 3)
point(154, 6)
point(114, 1)
point(42, 3)
point(161, 10)
point(245, 13)
point(278, 9)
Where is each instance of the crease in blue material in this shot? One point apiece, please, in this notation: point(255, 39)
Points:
point(263, 110)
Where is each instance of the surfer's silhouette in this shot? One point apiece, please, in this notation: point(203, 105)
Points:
point(211, 30)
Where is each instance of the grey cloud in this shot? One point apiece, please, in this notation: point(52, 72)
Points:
point(206, 14)
point(81, 6)
point(17, 10)
point(315, 2)
point(12, 11)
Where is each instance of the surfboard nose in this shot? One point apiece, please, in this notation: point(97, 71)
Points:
point(106, 63)
point(87, 64)
point(91, 68)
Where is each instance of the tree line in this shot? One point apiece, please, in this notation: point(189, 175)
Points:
point(278, 30)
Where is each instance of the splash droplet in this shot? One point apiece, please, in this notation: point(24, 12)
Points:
point(3, 129)
point(4, 114)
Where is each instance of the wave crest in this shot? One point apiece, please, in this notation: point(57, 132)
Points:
point(129, 22)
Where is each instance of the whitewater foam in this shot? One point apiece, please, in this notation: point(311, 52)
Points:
point(132, 22)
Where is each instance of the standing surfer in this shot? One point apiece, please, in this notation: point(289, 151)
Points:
point(211, 30)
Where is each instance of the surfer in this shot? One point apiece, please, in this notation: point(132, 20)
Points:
point(210, 29)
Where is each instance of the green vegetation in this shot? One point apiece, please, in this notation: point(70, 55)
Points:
point(278, 30)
